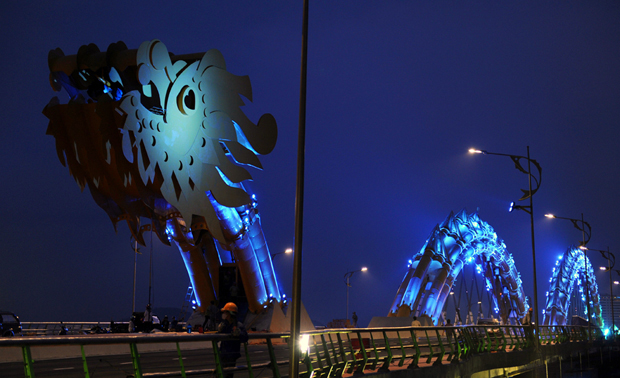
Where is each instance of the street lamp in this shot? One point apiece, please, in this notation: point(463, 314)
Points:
point(581, 225)
point(347, 278)
point(287, 251)
point(611, 261)
point(529, 193)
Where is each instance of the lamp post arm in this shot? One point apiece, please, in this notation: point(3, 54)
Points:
point(580, 225)
point(347, 277)
point(516, 160)
point(606, 255)
point(582, 228)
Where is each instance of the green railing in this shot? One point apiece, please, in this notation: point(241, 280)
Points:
point(331, 352)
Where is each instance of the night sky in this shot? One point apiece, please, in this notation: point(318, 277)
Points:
point(397, 93)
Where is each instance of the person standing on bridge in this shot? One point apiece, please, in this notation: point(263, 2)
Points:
point(416, 323)
point(212, 311)
point(147, 319)
point(526, 322)
point(230, 349)
point(354, 318)
point(449, 331)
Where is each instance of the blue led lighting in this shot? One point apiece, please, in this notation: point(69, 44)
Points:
point(570, 271)
point(468, 240)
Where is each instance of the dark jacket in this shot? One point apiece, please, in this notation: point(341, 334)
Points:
point(230, 349)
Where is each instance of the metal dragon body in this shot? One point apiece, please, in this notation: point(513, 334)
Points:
point(161, 139)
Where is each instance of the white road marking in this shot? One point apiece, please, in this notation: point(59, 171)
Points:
point(126, 363)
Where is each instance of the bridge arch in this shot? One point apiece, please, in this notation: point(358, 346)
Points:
point(461, 239)
point(570, 268)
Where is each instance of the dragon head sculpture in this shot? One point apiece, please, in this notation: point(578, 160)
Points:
point(174, 122)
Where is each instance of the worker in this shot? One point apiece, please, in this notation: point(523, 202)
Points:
point(230, 349)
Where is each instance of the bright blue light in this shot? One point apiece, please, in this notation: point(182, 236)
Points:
point(481, 246)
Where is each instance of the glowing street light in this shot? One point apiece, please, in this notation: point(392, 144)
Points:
point(529, 193)
point(581, 225)
point(347, 277)
point(287, 251)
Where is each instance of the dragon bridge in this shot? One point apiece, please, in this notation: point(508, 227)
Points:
point(570, 269)
point(461, 239)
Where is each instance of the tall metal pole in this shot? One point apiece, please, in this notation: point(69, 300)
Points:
point(611, 294)
point(295, 352)
point(348, 285)
point(529, 171)
point(585, 264)
point(135, 264)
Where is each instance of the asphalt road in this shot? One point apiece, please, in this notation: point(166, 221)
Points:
point(197, 363)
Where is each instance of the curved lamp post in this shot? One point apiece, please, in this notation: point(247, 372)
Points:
point(529, 193)
point(347, 278)
point(611, 261)
point(582, 225)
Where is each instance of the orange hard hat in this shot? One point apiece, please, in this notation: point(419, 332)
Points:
point(230, 307)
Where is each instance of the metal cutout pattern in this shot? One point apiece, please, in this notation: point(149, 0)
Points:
point(159, 136)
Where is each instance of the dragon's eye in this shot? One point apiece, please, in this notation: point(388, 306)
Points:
point(186, 100)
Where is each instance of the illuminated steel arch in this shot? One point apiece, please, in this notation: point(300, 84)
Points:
point(461, 239)
point(570, 268)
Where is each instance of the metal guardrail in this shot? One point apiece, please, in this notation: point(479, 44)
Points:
point(75, 328)
point(53, 328)
point(337, 352)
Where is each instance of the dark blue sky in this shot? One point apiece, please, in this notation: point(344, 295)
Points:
point(397, 93)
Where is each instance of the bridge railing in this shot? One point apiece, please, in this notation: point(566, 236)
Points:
point(75, 328)
point(341, 352)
